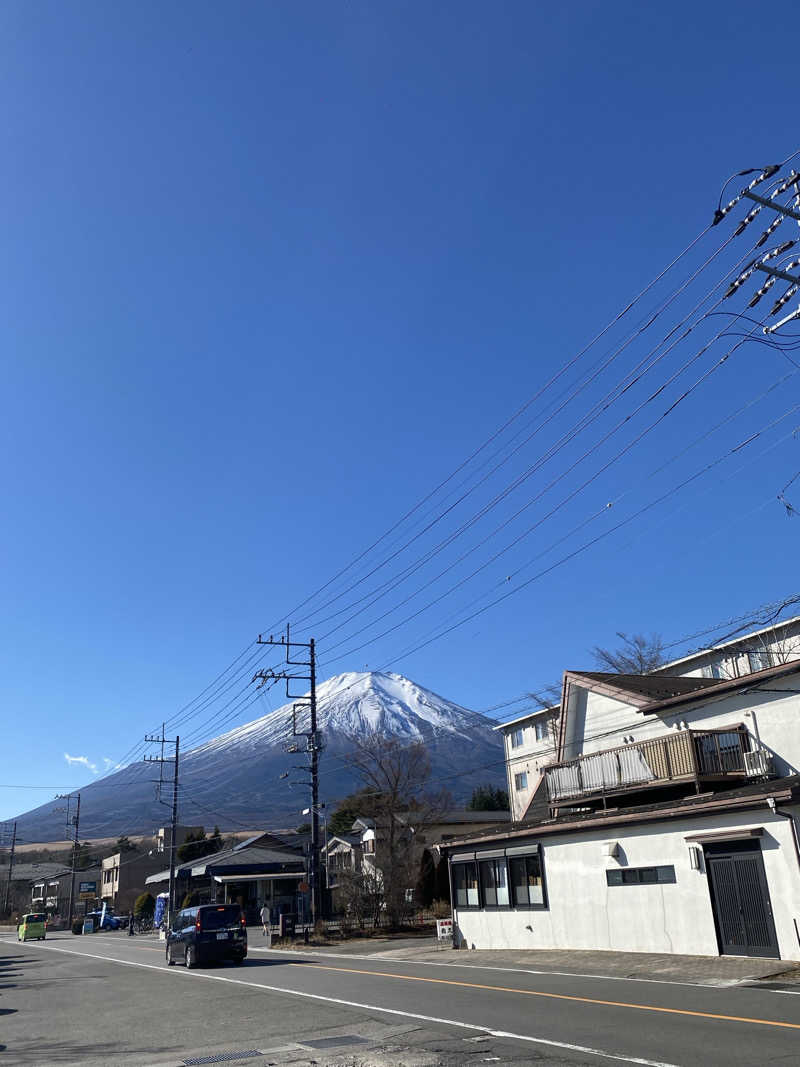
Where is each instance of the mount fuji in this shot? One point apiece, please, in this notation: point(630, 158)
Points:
point(239, 779)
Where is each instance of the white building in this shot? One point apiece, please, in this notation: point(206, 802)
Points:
point(661, 815)
point(531, 740)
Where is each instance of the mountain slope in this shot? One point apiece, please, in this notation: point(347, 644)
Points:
point(234, 779)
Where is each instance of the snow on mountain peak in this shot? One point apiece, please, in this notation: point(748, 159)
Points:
point(359, 703)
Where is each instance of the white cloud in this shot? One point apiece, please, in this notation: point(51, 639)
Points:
point(83, 760)
point(110, 765)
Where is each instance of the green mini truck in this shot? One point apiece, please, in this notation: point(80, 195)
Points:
point(33, 927)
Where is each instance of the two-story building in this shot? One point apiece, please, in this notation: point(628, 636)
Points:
point(663, 818)
point(124, 874)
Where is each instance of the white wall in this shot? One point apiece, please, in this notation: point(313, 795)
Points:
point(771, 718)
point(586, 913)
point(732, 661)
point(531, 756)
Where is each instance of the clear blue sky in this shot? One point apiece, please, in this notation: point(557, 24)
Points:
point(270, 271)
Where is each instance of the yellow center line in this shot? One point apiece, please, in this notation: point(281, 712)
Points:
point(552, 996)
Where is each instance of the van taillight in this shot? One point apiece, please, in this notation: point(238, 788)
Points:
point(243, 921)
point(197, 923)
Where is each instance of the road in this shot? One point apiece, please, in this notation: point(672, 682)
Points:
point(111, 999)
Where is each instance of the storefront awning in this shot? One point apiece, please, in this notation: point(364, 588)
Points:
point(256, 877)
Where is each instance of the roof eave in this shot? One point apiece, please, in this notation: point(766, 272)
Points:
point(727, 685)
point(781, 794)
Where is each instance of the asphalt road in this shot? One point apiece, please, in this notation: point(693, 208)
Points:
point(107, 998)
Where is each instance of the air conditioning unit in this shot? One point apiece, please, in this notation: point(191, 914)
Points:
point(759, 764)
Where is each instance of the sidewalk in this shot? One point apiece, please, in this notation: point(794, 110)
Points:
point(695, 970)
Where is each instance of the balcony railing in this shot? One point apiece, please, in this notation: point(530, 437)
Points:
point(691, 755)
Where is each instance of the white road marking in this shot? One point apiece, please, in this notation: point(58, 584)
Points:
point(365, 1007)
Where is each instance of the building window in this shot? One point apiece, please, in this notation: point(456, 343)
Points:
point(759, 661)
point(494, 883)
point(521, 781)
point(516, 737)
point(641, 875)
point(465, 885)
point(527, 882)
point(541, 730)
point(713, 669)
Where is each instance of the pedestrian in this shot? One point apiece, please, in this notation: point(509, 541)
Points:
point(265, 923)
point(130, 924)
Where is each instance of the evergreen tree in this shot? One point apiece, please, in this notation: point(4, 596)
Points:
point(144, 906)
point(361, 803)
point(488, 798)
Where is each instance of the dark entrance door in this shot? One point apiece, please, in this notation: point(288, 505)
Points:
point(740, 898)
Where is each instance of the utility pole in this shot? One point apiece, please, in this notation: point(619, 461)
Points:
point(174, 825)
point(75, 820)
point(10, 869)
point(306, 702)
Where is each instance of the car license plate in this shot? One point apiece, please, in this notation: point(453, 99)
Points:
point(222, 937)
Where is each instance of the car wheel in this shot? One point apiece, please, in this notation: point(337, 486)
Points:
point(238, 960)
point(170, 960)
point(191, 957)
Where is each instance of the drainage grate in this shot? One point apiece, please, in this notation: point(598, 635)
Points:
point(224, 1057)
point(334, 1042)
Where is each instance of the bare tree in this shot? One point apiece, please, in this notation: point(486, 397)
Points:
point(360, 895)
point(546, 697)
point(396, 774)
point(638, 654)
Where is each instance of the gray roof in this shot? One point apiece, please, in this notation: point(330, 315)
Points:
point(33, 872)
point(251, 859)
point(348, 839)
point(159, 876)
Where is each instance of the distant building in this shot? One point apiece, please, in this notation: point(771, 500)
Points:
point(50, 892)
point(262, 869)
point(125, 873)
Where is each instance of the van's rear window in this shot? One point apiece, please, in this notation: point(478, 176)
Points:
point(220, 917)
point(35, 918)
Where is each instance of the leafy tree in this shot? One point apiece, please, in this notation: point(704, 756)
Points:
point(124, 845)
point(638, 654)
point(144, 906)
point(488, 798)
point(426, 880)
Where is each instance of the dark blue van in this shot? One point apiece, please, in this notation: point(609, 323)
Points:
point(207, 934)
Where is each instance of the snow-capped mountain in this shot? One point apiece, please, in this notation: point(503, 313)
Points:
point(234, 779)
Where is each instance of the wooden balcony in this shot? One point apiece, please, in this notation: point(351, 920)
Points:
point(689, 756)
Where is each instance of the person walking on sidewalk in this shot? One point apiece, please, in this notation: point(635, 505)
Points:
point(265, 923)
